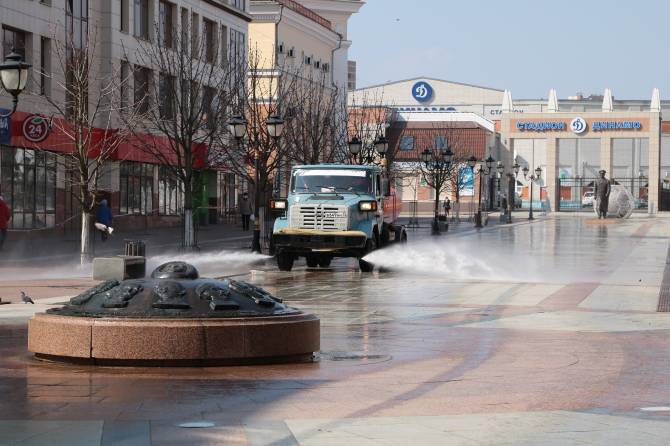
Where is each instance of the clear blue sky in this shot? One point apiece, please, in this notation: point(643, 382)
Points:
point(528, 46)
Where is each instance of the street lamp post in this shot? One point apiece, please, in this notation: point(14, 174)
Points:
point(472, 161)
point(380, 145)
point(438, 163)
point(532, 178)
point(238, 128)
point(511, 190)
point(13, 78)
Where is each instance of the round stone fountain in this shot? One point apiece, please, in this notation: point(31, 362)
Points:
point(174, 318)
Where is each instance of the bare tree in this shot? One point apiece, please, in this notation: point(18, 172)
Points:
point(313, 111)
point(87, 119)
point(260, 157)
point(190, 93)
point(368, 118)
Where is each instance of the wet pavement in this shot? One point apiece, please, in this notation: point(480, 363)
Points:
point(542, 333)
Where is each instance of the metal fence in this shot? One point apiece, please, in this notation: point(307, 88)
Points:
point(577, 194)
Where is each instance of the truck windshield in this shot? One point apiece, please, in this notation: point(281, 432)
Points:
point(331, 180)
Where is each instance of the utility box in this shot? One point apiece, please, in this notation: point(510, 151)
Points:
point(119, 267)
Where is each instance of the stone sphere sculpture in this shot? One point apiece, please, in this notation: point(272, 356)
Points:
point(621, 202)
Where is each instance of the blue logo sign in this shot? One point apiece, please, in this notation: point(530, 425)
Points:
point(422, 91)
point(578, 125)
point(5, 128)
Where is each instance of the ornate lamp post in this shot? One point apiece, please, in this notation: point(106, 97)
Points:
point(438, 164)
point(472, 161)
point(536, 176)
point(500, 169)
point(511, 190)
point(13, 78)
point(380, 145)
point(238, 128)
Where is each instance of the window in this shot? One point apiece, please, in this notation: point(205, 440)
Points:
point(208, 109)
point(237, 49)
point(165, 24)
point(224, 45)
point(239, 4)
point(45, 66)
point(166, 95)
point(13, 39)
point(125, 79)
point(170, 192)
point(76, 23)
point(209, 40)
point(28, 183)
point(141, 79)
point(184, 30)
point(136, 188)
point(195, 41)
point(441, 141)
point(407, 143)
point(124, 16)
point(141, 19)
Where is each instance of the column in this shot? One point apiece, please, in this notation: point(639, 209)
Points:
point(654, 161)
point(606, 158)
point(551, 174)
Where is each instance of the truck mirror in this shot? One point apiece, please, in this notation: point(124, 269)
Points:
point(386, 187)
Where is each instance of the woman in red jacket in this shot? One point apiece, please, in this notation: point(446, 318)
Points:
point(5, 214)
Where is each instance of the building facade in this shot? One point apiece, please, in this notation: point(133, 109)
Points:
point(32, 178)
point(627, 138)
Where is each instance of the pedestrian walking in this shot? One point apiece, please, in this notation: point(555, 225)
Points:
point(5, 215)
point(246, 209)
point(103, 220)
point(447, 207)
point(602, 194)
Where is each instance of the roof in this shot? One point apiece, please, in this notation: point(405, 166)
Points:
point(424, 78)
point(306, 12)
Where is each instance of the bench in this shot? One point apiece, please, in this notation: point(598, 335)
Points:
point(119, 267)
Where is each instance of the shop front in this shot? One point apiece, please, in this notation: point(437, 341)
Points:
point(570, 149)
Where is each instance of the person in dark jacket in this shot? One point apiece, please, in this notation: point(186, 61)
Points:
point(246, 209)
point(103, 219)
point(5, 215)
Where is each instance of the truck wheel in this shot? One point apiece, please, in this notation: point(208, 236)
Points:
point(367, 267)
point(284, 261)
point(312, 262)
point(324, 262)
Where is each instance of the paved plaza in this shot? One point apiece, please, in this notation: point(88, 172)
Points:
point(542, 333)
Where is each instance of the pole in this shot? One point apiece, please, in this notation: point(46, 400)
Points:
point(512, 197)
point(436, 224)
point(478, 218)
point(256, 242)
point(530, 213)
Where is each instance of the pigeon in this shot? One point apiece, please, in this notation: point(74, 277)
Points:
point(26, 299)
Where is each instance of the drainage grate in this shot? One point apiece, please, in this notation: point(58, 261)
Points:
point(664, 299)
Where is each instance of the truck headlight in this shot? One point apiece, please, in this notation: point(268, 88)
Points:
point(278, 205)
point(367, 206)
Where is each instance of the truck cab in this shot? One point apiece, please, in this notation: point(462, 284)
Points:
point(334, 210)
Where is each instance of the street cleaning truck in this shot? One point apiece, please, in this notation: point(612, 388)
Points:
point(335, 210)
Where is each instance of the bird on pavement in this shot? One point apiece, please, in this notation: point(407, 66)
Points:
point(26, 299)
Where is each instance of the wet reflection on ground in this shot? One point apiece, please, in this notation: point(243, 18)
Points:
point(422, 342)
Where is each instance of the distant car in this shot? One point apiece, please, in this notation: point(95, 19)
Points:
point(587, 199)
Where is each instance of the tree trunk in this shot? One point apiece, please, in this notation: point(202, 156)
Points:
point(85, 254)
point(189, 230)
point(188, 237)
point(261, 221)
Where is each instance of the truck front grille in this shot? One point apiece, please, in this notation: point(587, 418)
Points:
point(319, 216)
